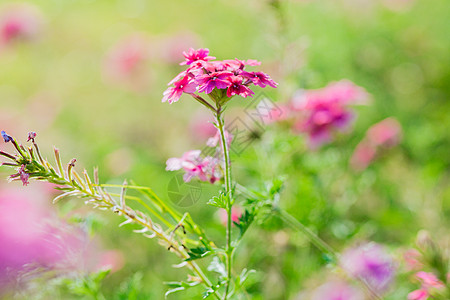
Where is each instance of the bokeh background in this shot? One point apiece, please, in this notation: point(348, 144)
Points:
point(88, 77)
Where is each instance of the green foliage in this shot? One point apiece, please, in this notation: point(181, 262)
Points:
point(219, 201)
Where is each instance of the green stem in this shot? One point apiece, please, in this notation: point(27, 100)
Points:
point(226, 156)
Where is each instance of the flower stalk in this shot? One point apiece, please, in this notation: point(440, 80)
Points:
point(229, 192)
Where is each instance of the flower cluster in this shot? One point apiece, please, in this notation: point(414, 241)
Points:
point(318, 113)
point(198, 165)
point(19, 21)
point(371, 263)
point(205, 75)
point(429, 283)
point(382, 135)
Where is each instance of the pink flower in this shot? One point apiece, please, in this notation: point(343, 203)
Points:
point(209, 75)
point(382, 135)
point(363, 155)
point(326, 110)
point(126, 63)
point(113, 260)
point(205, 169)
point(337, 290)
point(208, 82)
point(420, 294)
point(201, 126)
point(370, 262)
point(259, 78)
point(237, 88)
point(386, 133)
point(30, 234)
point(236, 213)
point(127, 56)
point(412, 259)
point(19, 21)
point(429, 280)
point(185, 85)
point(196, 55)
point(214, 141)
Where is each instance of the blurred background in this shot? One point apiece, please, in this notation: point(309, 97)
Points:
point(88, 77)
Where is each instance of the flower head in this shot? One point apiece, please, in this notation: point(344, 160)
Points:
point(205, 169)
point(208, 82)
point(321, 112)
point(196, 55)
point(371, 263)
point(209, 75)
point(260, 78)
point(184, 85)
point(19, 21)
point(237, 88)
point(7, 138)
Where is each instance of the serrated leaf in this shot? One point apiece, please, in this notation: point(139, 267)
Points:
point(217, 266)
point(244, 222)
point(219, 201)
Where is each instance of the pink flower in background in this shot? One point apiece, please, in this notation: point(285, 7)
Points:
point(125, 62)
point(418, 295)
point(236, 212)
point(382, 135)
point(363, 156)
point(19, 21)
point(386, 133)
point(323, 111)
point(371, 263)
point(201, 126)
point(205, 169)
point(429, 282)
point(171, 46)
point(337, 290)
point(113, 260)
point(412, 259)
point(31, 235)
point(214, 141)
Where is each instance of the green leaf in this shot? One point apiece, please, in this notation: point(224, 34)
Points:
point(244, 222)
point(178, 286)
point(199, 252)
point(219, 201)
point(240, 279)
point(217, 266)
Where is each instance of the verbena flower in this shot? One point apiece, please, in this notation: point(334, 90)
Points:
point(196, 55)
point(380, 136)
point(204, 168)
point(184, 85)
point(371, 263)
point(429, 283)
point(208, 75)
point(236, 87)
point(19, 21)
point(323, 111)
point(214, 141)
